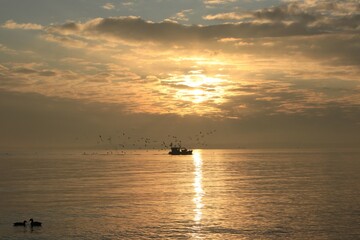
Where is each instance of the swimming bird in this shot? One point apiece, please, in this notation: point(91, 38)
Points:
point(18, 224)
point(34, 224)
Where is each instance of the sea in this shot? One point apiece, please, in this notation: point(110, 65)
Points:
point(212, 194)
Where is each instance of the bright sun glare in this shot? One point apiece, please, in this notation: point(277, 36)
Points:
point(201, 88)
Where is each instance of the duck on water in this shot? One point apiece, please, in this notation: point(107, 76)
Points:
point(20, 224)
point(34, 224)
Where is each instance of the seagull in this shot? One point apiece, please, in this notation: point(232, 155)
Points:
point(34, 224)
point(18, 224)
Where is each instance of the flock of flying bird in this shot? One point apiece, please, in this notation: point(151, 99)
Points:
point(123, 141)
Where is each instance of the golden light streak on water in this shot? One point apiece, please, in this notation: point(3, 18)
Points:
point(198, 189)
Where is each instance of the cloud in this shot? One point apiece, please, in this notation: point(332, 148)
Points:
point(227, 16)
point(139, 30)
point(32, 71)
point(261, 59)
point(114, 84)
point(66, 41)
point(11, 24)
point(216, 2)
point(127, 4)
point(3, 68)
point(312, 16)
point(289, 19)
point(292, 97)
point(108, 6)
point(181, 16)
point(236, 94)
point(6, 50)
point(274, 31)
point(25, 70)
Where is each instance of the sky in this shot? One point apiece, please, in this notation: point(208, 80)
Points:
point(234, 73)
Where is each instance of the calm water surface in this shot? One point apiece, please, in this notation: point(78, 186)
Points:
point(213, 194)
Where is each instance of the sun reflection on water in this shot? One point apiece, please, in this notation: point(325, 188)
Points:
point(199, 192)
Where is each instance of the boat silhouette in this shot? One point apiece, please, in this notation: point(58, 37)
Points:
point(180, 151)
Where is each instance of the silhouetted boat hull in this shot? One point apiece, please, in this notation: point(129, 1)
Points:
point(180, 151)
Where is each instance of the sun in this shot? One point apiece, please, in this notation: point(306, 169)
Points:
point(195, 92)
point(199, 96)
point(198, 80)
point(199, 88)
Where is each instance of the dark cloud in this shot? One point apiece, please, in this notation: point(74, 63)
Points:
point(44, 73)
point(139, 30)
point(285, 13)
point(325, 30)
point(301, 18)
point(25, 71)
point(47, 73)
point(66, 27)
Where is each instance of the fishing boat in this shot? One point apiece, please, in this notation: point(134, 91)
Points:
point(180, 151)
